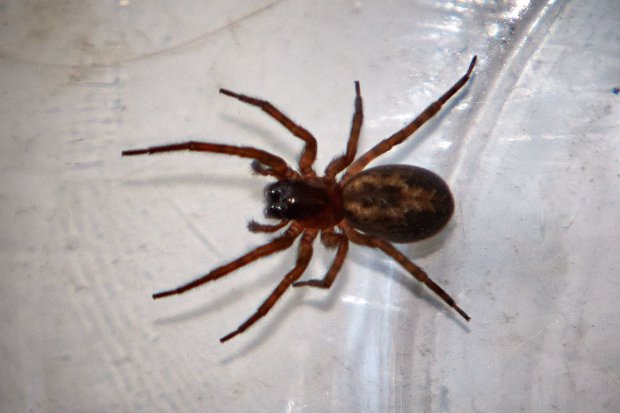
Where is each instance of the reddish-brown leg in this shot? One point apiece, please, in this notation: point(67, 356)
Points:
point(254, 226)
point(400, 136)
point(413, 269)
point(305, 253)
point(339, 163)
point(330, 239)
point(309, 153)
point(260, 169)
point(278, 244)
point(277, 165)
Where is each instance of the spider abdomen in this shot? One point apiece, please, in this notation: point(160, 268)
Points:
point(398, 203)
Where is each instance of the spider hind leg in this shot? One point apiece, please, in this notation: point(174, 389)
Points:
point(419, 274)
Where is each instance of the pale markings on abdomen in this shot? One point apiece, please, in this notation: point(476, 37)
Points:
point(407, 198)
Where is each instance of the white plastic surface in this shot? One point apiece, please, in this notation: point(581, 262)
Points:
point(530, 148)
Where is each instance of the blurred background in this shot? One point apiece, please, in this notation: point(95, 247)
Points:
point(530, 148)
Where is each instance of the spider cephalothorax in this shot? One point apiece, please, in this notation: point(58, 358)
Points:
point(397, 203)
point(295, 199)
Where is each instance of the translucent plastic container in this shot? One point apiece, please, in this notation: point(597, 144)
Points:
point(530, 148)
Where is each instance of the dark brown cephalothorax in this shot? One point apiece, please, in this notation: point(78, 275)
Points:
point(398, 203)
point(369, 207)
point(316, 203)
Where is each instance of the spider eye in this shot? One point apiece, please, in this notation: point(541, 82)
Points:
point(274, 211)
point(273, 192)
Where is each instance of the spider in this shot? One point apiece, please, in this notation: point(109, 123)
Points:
point(370, 207)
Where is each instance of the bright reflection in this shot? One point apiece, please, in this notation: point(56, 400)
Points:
point(350, 299)
point(401, 119)
point(453, 26)
point(444, 144)
point(517, 10)
point(516, 138)
point(545, 136)
point(453, 6)
point(493, 29)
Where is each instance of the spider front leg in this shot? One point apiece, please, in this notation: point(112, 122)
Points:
point(303, 259)
point(308, 155)
point(400, 136)
point(260, 169)
point(277, 166)
point(339, 163)
point(330, 239)
point(413, 269)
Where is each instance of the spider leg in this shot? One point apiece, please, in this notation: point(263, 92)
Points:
point(417, 272)
point(303, 259)
point(277, 165)
point(308, 155)
point(330, 239)
point(254, 226)
point(339, 163)
point(260, 169)
point(278, 244)
point(400, 136)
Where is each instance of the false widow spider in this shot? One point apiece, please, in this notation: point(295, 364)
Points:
point(370, 207)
